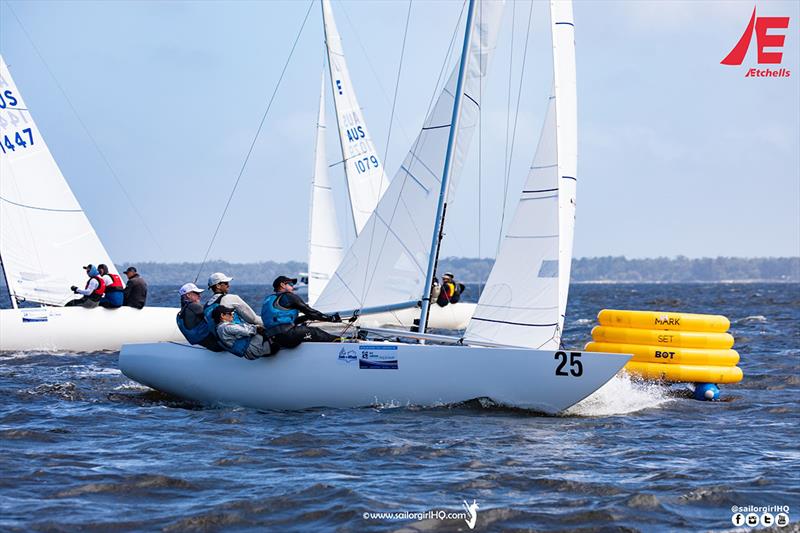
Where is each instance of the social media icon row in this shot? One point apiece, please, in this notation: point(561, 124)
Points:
point(766, 519)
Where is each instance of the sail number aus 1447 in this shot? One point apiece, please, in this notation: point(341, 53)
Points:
point(16, 140)
point(575, 365)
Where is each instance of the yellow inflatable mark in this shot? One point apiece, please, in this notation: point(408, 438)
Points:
point(686, 373)
point(669, 355)
point(687, 339)
point(663, 320)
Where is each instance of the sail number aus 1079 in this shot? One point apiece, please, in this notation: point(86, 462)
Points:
point(575, 365)
point(16, 141)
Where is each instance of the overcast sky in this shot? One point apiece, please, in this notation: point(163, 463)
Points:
point(678, 154)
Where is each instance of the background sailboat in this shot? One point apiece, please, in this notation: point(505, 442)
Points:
point(366, 184)
point(45, 239)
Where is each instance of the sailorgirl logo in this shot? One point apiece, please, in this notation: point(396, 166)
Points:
point(761, 26)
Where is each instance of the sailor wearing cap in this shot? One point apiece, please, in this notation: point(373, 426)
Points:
point(220, 284)
point(135, 294)
point(281, 316)
point(192, 321)
point(92, 292)
point(241, 339)
point(450, 292)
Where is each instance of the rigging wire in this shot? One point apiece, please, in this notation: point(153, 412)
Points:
point(396, 86)
point(506, 173)
point(86, 130)
point(516, 121)
point(354, 28)
point(389, 134)
point(255, 138)
point(413, 150)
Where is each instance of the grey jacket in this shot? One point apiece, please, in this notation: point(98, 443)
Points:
point(135, 294)
point(228, 333)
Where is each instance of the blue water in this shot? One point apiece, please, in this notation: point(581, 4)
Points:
point(84, 448)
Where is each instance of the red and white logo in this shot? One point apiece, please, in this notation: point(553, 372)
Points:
point(761, 26)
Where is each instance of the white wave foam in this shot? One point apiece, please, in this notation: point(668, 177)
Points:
point(752, 318)
point(621, 395)
point(582, 321)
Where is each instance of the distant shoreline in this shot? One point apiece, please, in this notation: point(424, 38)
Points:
point(470, 270)
point(594, 270)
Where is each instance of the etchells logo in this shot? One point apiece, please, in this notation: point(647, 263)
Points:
point(768, 35)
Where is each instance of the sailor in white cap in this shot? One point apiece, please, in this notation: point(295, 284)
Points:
point(192, 321)
point(219, 284)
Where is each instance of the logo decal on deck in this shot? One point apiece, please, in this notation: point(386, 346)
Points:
point(347, 356)
point(378, 357)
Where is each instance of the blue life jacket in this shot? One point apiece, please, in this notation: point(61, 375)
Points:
point(240, 346)
point(197, 334)
point(274, 315)
point(212, 326)
point(114, 297)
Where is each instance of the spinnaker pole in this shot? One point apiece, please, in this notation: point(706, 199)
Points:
point(451, 146)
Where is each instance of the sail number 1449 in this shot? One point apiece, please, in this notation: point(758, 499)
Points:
point(575, 365)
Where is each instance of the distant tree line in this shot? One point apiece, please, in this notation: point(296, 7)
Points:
point(590, 269)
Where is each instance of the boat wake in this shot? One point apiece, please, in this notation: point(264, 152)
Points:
point(622, 395)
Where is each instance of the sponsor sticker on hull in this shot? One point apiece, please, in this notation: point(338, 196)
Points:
point(377, 357)
point(34, 315)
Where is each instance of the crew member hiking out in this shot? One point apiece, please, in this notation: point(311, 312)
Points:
point(220, 285)
point(136, 290)
point(283, 321)
point(92, 293)
point(115, 290)
point(450, 292)
point(242, 339)
point(192, 321)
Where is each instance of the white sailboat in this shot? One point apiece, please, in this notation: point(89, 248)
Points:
point(45, 238)
point(359, 374)
point(366, 184)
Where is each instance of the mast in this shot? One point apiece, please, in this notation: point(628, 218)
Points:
point(436, 239)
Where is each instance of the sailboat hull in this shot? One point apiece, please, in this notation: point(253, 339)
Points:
point(346, 375)
point(75, 329)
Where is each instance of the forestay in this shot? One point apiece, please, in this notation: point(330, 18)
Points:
point(525, 298)
point(366, 180)
point(387, 263)
point(324, 239)
point(45, 237)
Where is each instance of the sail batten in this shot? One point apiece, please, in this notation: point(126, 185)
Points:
point(525, 298)
point(45, 237)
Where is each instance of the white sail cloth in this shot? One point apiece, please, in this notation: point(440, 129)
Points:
point(325, 248)
point(387, 263)
point(45, 237)
point(366, 180)
point(525, 298)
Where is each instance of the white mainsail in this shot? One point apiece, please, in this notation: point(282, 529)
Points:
point(366, 180)
point(525, 298)
point(45, 237)
point(387, 263)
point(324, 239)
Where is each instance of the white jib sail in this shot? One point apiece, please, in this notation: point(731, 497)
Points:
point(387, 263)
point(45, 237)
point(324, 240)
point(366, 180)
point(525, 298)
